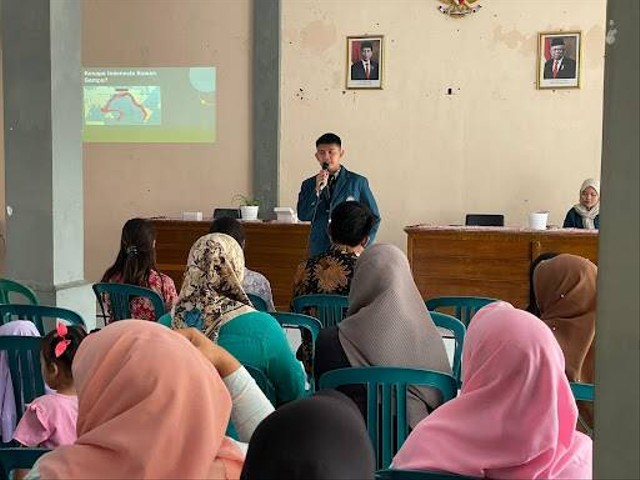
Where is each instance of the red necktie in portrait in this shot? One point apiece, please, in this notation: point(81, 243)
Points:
point(555, 68)
point(367, 70)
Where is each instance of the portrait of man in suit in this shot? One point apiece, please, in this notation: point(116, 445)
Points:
point(364, 62)
point(559, 60)
point(559, 65)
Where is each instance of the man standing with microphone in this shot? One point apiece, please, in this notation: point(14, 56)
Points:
point(332, 185)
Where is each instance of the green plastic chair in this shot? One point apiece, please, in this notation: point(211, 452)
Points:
point(387, 421)
point(390, 474)
point(165, 320)
point(20, 457)
point(464, 307)
point(258, 302)
point(458, 329)
point(263, 382)
point(329, 309)
point(37, 314)
point(584, 392)
point(22, 354)
point(9, 287)
point(120, 297)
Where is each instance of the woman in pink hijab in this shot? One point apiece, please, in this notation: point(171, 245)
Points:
point(150, 406)
point(515, 416)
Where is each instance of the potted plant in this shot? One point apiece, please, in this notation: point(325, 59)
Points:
point(249, 207)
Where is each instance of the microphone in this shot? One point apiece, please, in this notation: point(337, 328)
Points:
point(325, 165)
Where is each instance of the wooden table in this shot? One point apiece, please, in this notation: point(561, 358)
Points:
point(487, 261)
point(273, 249)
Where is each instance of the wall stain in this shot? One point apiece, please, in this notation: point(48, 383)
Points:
point(318, 36)
point(516, 40)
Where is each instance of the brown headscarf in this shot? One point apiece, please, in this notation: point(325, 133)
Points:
point(388, 324)
point(211, 292)
point(565, 288)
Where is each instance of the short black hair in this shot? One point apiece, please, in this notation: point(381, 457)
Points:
point(329, 139)
point(75, 334)
point(351, 223)
point(229, 226)
point(366, 44)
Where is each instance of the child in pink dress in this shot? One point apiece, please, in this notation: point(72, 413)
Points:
point(50, 420)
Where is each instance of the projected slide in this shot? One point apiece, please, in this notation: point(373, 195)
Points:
point(149, 105)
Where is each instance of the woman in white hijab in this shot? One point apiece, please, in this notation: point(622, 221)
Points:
point(586, 213)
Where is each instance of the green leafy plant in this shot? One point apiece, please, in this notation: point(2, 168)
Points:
point(245, 201)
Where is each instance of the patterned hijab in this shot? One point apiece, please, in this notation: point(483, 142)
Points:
point(211, 292)
point(588, 216)
point(515, 416)
point(388, 324)
point(150, 406)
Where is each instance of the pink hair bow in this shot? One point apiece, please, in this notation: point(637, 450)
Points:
point(61, 346)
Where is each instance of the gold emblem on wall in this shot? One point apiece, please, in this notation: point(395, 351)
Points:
point(458, 8)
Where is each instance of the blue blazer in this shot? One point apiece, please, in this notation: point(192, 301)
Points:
point(317, 209)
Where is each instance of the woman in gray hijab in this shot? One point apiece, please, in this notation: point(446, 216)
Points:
point(387, 324)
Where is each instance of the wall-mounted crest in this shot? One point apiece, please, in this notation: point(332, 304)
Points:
point(458, 8)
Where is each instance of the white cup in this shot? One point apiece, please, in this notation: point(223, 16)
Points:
point(538, 220)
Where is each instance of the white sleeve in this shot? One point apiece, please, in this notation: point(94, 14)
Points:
point(250, 405)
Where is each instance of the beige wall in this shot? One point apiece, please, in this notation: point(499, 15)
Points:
point(497, 145)
point(126, 180)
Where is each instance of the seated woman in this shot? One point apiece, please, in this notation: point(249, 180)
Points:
point(153, 406)
point(585, 214)
point(387, 324)
point(331, 272)
point(565, 288)
point(515, 415)
point(316, 438)
point(212, 300)
point(136, 265)
point(254, 282)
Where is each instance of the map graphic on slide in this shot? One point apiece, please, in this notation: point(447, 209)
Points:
point(122, 105)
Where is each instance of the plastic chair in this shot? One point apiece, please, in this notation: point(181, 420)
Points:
point(583, 391)
point(458, 329)
point(120, 297)
point(390, 474)
point(165, 320)
point(263, 382)
point(258, 302)
point(9, 287)
point(387, 388)
point(329, 309)
point(21, 457)
point(37, 314)
point(22, 355)
point(464, 307)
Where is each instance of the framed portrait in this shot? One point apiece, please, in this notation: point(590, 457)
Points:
point(364, 62)
point(559, 59)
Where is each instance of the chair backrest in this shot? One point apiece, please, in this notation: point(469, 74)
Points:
point(116, 300)
point(258, 302)
point(10, 289)
point(387, 421)
point(13, 458)
point(458, 329)
point(582, 391)
point(37, 314)
point(484, 220)
point(263, 382)
point(464, 308)
point(329, 309)
point(23, 357)
point(391, 474)
point(165, 320)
